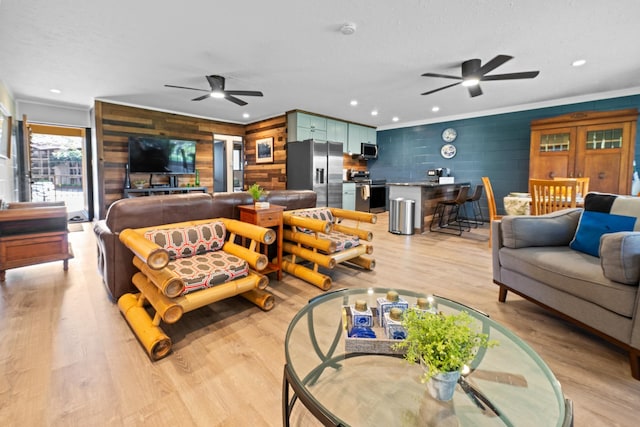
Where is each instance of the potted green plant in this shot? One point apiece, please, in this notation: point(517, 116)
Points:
point(256, 193)
point(140, 183)
point(443, 344)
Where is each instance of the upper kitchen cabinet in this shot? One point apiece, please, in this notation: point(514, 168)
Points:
point(359, 134)
point(337, 131)
point(301, 126)
point(597, 145)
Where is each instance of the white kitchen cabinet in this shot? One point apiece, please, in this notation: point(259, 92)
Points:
point(337, 131)
point(359, 134)
point(349, 195)
point(301, 126)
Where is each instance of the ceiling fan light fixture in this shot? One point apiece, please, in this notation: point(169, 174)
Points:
point(217, 94)
point(470, 82)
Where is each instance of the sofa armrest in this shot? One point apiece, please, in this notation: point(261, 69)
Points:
point(553, 229)
point(620, 256)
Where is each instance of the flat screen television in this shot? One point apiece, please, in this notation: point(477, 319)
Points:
point(162, 156)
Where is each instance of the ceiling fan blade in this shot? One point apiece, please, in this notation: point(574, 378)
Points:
point(200, 98)
point(474, 90)
point(243, 92)
point(216, 83)
point(190, 88)
point(444, 76)
point(439, 89)
point(235, 100)
point(512, 76)
point(494, 63)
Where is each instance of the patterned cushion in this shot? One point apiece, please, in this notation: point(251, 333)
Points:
point(322, 214)
point(342, 241)
point(208, 270)
point(189, 241)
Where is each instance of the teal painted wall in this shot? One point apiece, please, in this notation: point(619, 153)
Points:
point(495, 146)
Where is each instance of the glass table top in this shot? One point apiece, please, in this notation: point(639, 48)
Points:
point(372, 389)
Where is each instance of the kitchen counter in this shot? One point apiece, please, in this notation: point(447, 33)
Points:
point(423, 184)
point(426, 194)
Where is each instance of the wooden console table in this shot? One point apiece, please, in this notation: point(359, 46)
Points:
point(267, 217)
point(32, 236)
point(149, 191)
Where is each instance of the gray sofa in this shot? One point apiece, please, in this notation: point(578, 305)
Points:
point(532, 257)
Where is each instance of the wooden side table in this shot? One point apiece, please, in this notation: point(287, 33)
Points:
point(267, 217)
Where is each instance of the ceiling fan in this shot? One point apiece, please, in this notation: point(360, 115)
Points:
point(217, 91)
point(473, 72)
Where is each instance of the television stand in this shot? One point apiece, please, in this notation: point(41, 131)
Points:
point(173, 182)
point(161, 189)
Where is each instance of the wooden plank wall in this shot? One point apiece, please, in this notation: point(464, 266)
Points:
point(271, 176)
point(115, 123)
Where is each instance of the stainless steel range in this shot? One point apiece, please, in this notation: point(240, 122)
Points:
point(371, 195)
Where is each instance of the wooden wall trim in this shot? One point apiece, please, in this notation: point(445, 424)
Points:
point(115, 123)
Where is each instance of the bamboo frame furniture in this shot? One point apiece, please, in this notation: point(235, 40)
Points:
point(548, 195)
point(163, 289)
point(310, 240)
point(33, 233)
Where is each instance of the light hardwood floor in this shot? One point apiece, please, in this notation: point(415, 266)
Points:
point(67, 358)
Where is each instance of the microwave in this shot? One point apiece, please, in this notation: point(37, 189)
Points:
point(368, 151)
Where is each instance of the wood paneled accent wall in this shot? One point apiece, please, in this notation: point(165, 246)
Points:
point(271, 176)
point(116, 123)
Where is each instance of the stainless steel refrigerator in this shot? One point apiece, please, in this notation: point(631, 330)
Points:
point(316, 165)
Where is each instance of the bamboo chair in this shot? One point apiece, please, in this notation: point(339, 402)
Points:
point(549, 195)
point(582, 185)
point(311, 241)
point(162, 287)
point(491, 204)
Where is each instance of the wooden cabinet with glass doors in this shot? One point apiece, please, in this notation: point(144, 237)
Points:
point(597, 145)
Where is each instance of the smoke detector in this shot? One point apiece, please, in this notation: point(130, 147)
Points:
point(348, 28)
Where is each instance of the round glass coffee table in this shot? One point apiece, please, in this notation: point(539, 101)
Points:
point(346, 381)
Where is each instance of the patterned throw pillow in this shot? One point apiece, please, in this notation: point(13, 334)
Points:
point(604, 214)
point(188, 241)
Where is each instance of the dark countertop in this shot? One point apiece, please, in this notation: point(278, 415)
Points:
point(425, 184)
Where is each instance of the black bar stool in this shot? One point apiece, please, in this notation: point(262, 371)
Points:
point(474, 200)
point(447, 216)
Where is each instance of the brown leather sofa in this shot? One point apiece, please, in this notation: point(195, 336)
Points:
point(114, 259)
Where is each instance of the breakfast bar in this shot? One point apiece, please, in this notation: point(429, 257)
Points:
point(426, 194)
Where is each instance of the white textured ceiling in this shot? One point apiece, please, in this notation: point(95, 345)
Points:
point(125, 51)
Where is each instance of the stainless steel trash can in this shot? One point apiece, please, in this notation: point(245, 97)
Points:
point(401, 216)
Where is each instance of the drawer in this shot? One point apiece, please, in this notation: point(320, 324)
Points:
point(268, 219)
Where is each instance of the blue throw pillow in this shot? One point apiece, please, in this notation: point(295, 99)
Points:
point(592, 225)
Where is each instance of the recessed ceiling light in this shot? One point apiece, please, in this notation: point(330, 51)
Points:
point(348, 28)
point(395, 119)
point(354, 102)
point(55, 91)
point(374, 113)
point(246, 115)
point(579, 62)
point(435, 109)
